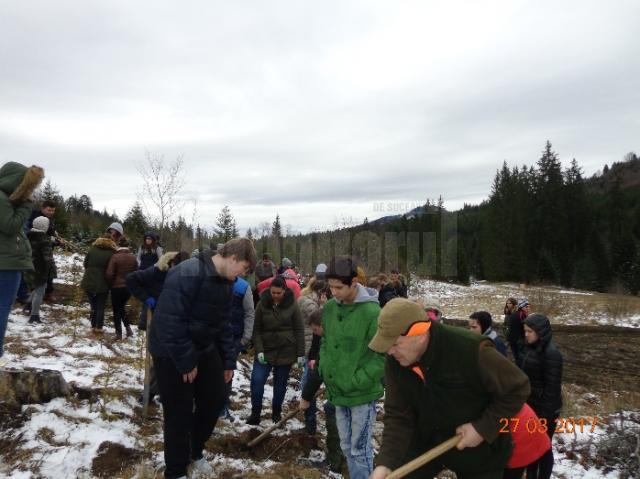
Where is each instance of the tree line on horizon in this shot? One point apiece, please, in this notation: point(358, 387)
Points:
point(540, 224)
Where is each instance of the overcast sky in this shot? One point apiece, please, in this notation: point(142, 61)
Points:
point(314, 110)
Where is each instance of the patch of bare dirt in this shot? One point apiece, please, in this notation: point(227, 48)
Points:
point(112, 460)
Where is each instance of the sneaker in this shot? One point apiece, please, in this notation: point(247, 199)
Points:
point(201, 468)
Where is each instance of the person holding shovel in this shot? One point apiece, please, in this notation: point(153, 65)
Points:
point(442, 381)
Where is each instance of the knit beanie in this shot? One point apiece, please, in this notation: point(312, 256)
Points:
point(41, 223)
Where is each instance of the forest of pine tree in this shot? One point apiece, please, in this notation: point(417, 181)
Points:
point(540, 224)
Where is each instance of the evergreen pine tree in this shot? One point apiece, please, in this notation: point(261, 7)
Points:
point(135, 224)
point(226, 228)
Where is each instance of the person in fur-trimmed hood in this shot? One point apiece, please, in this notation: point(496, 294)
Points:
point(42, 256)
point(94, 281)
point(17, 184)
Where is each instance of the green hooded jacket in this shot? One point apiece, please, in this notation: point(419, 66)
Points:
point(17, 183)
point(95, 266)
point(278, 331)
point(352, 372)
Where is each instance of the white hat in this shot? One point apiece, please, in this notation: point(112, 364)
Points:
point(41, 223)
point(116, 226)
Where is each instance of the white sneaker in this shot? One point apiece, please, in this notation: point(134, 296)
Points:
point(201, 468)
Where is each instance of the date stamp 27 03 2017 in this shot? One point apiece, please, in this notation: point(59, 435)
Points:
point(567, 425)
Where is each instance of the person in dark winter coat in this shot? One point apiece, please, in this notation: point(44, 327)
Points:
point(480, 322)
point(146, 286)
point(191, 342)
point(17, 183)
point(398, 282)
point(442, 381)
point(42, 257)
point(386, 291)
point(542, 363)
point(47, 210)
point(278, 339)
point(515, 329)
point(150, 252)
point(121, 263)
point(94, 281)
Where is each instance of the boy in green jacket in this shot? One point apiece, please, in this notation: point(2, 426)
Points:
point(351, 371)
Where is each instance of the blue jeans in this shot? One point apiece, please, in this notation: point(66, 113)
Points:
point(9, 282)
point(355, 427)
point(259, 376)
point(310, 412)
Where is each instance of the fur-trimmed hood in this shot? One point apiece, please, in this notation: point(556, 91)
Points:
point(19, 182)
point(165, 259)
point(104, 243)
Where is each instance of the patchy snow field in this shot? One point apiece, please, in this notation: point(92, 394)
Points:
point(562, 306)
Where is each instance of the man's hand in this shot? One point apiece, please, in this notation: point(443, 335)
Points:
point(380, 472)
point(312, 364)
point(304, 405)
point(470, 437)
point(190, 376)
point(228, 375)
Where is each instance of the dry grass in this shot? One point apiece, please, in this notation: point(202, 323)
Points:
point(582, 402)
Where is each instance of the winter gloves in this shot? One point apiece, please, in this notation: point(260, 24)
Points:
point(300, 361)
point(151, 302)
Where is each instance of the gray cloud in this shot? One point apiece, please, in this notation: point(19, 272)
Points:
point(314, 112)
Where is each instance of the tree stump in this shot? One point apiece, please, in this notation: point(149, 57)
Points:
point(31, 386)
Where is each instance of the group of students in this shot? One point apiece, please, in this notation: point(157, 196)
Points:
point(437, 380)
point(107, 265)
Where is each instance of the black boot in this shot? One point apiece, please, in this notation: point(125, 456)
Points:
point(254, 419)
point(34, 319)
point(129, 331)
point(276, 413)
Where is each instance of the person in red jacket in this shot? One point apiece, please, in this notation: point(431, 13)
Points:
point(289, 276)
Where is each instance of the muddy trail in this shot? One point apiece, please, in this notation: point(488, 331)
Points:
point(598, 358)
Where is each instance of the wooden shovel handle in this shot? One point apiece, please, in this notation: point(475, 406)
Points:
point(421, 460)
point(269, 430)
point(288, 416)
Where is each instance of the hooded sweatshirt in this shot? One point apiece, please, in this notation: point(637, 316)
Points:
point(350, 370)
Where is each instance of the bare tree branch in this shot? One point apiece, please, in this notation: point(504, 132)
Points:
point(161, 186)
